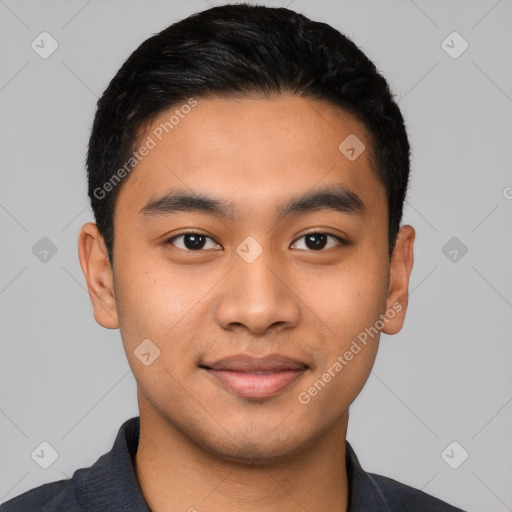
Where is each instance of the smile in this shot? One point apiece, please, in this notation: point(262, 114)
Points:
point(254, 378)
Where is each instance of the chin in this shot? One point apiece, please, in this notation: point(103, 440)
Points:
point(251, 453)
point(257, 447)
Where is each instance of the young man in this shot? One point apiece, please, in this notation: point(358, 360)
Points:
point(247, 171)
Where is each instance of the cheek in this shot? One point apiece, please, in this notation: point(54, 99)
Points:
point(332, 389)
point(348, 298)
point(348, 305)
point(165, 304)
point(150, 298)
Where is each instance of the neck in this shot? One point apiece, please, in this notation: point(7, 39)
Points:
point(175, 474)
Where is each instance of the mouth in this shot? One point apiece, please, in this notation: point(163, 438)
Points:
point(256, 378)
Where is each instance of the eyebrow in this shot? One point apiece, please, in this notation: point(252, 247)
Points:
point(337, 198)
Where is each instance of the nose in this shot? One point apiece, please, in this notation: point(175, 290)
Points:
point(258, 297)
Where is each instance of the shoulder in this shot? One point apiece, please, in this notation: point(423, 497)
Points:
point(401, 497)
point(98, 487)
point(58, 496)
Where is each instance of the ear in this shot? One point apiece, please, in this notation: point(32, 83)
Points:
point(402, 260)
point(95, 264)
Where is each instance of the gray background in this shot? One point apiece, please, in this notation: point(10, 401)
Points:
point(446, 377)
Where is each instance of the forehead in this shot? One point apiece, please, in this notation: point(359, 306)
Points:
point(252, 151)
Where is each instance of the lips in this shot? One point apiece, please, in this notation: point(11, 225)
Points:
point(255, 378)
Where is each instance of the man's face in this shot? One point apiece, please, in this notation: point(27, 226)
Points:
point(253, 282)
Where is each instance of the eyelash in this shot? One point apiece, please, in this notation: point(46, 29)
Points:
point(172, 239)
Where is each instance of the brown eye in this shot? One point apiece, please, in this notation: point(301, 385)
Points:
point(318, 241)
point(192, 241)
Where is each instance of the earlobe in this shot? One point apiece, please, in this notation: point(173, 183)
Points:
point(402, 261)
point(98, 275)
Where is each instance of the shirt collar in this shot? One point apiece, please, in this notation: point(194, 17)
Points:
point(111, 483)
point(365, 494)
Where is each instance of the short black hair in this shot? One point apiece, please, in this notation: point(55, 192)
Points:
point(236, 50)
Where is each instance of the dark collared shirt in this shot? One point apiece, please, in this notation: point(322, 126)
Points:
point(111, 485)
